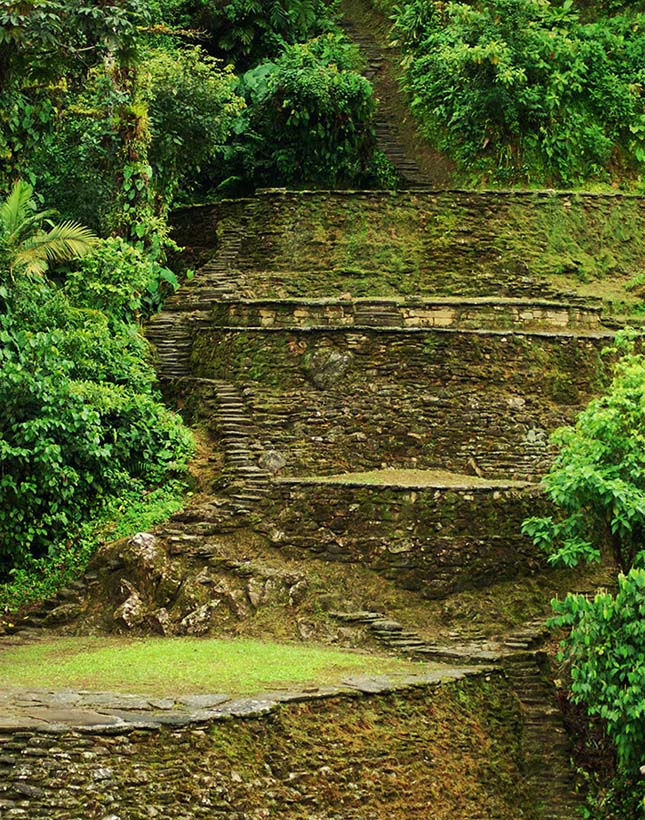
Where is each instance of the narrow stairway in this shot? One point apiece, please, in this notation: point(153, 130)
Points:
point(396, 136)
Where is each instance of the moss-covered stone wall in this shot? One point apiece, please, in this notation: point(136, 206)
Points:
point(450, 752)
point(429, 243)
point(332, 400)
point(434, 541)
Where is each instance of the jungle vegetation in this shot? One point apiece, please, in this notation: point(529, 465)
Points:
point(537, 92)
point(597, 486)
point(111, 114)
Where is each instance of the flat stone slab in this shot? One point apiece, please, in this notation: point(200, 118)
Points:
point(114, 712)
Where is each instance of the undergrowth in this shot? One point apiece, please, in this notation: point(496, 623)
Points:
point(132, 512)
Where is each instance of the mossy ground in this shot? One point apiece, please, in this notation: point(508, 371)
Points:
point(411, 478)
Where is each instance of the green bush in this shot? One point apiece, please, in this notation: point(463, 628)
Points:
point(522, 90)
point(248, 31)
point(606, 647)
point(309, 118)
point(110, 149)
point(597, 485)
point(80, 424)
point(120, 280)
point(192, 108)
point(597, 481)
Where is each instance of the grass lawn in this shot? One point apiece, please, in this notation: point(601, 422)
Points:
point(169, 666)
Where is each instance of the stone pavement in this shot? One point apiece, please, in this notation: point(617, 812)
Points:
point(116, 713)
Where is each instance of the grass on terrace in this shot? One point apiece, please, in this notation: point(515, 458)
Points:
point(175, 666)
point(409, 478)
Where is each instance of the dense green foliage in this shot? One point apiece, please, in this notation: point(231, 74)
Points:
point(528, 90)
point(598, 478)
point(605, 650)
point(114, 116)
point(597, 484)
point(81, 422)
point(31, 241)
point(113, 113)
point(307, 117)
point(247, 32)
point(120, 280)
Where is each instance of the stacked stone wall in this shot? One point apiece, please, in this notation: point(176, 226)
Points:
point(460, 243)
point(434, 541)
point(333, 400)
point(385, 756)
point(493, 314)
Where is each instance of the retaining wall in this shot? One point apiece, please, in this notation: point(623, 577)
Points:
point(450, 751)
point(489, 243)
point(332, 400)
point(431, 540)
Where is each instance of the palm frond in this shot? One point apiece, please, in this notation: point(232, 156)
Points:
point(14, 209)
point(68, 240)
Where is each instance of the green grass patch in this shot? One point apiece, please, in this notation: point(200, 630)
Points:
point(170, 666)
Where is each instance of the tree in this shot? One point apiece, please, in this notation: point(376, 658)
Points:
point(598, 483)
point(43, 38)
point(28, 246)
point(598, 478)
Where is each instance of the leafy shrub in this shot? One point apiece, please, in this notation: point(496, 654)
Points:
point(606, 649)
point(309, 117)
point(521, 89)
point(121, 280)
point(136, 509)
point(597, 484)
point(80, 423)
point(247, 31)
point(598, 479)
point(113, 148)
point(192, 108)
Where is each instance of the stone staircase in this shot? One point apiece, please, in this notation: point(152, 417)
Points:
point(217, 279)
point(244, 294)
point(232, 422)
point(171, 332)
point(387, 126)
point(547, 750)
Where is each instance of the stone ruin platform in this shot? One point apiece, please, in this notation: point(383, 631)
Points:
point(430, 531)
